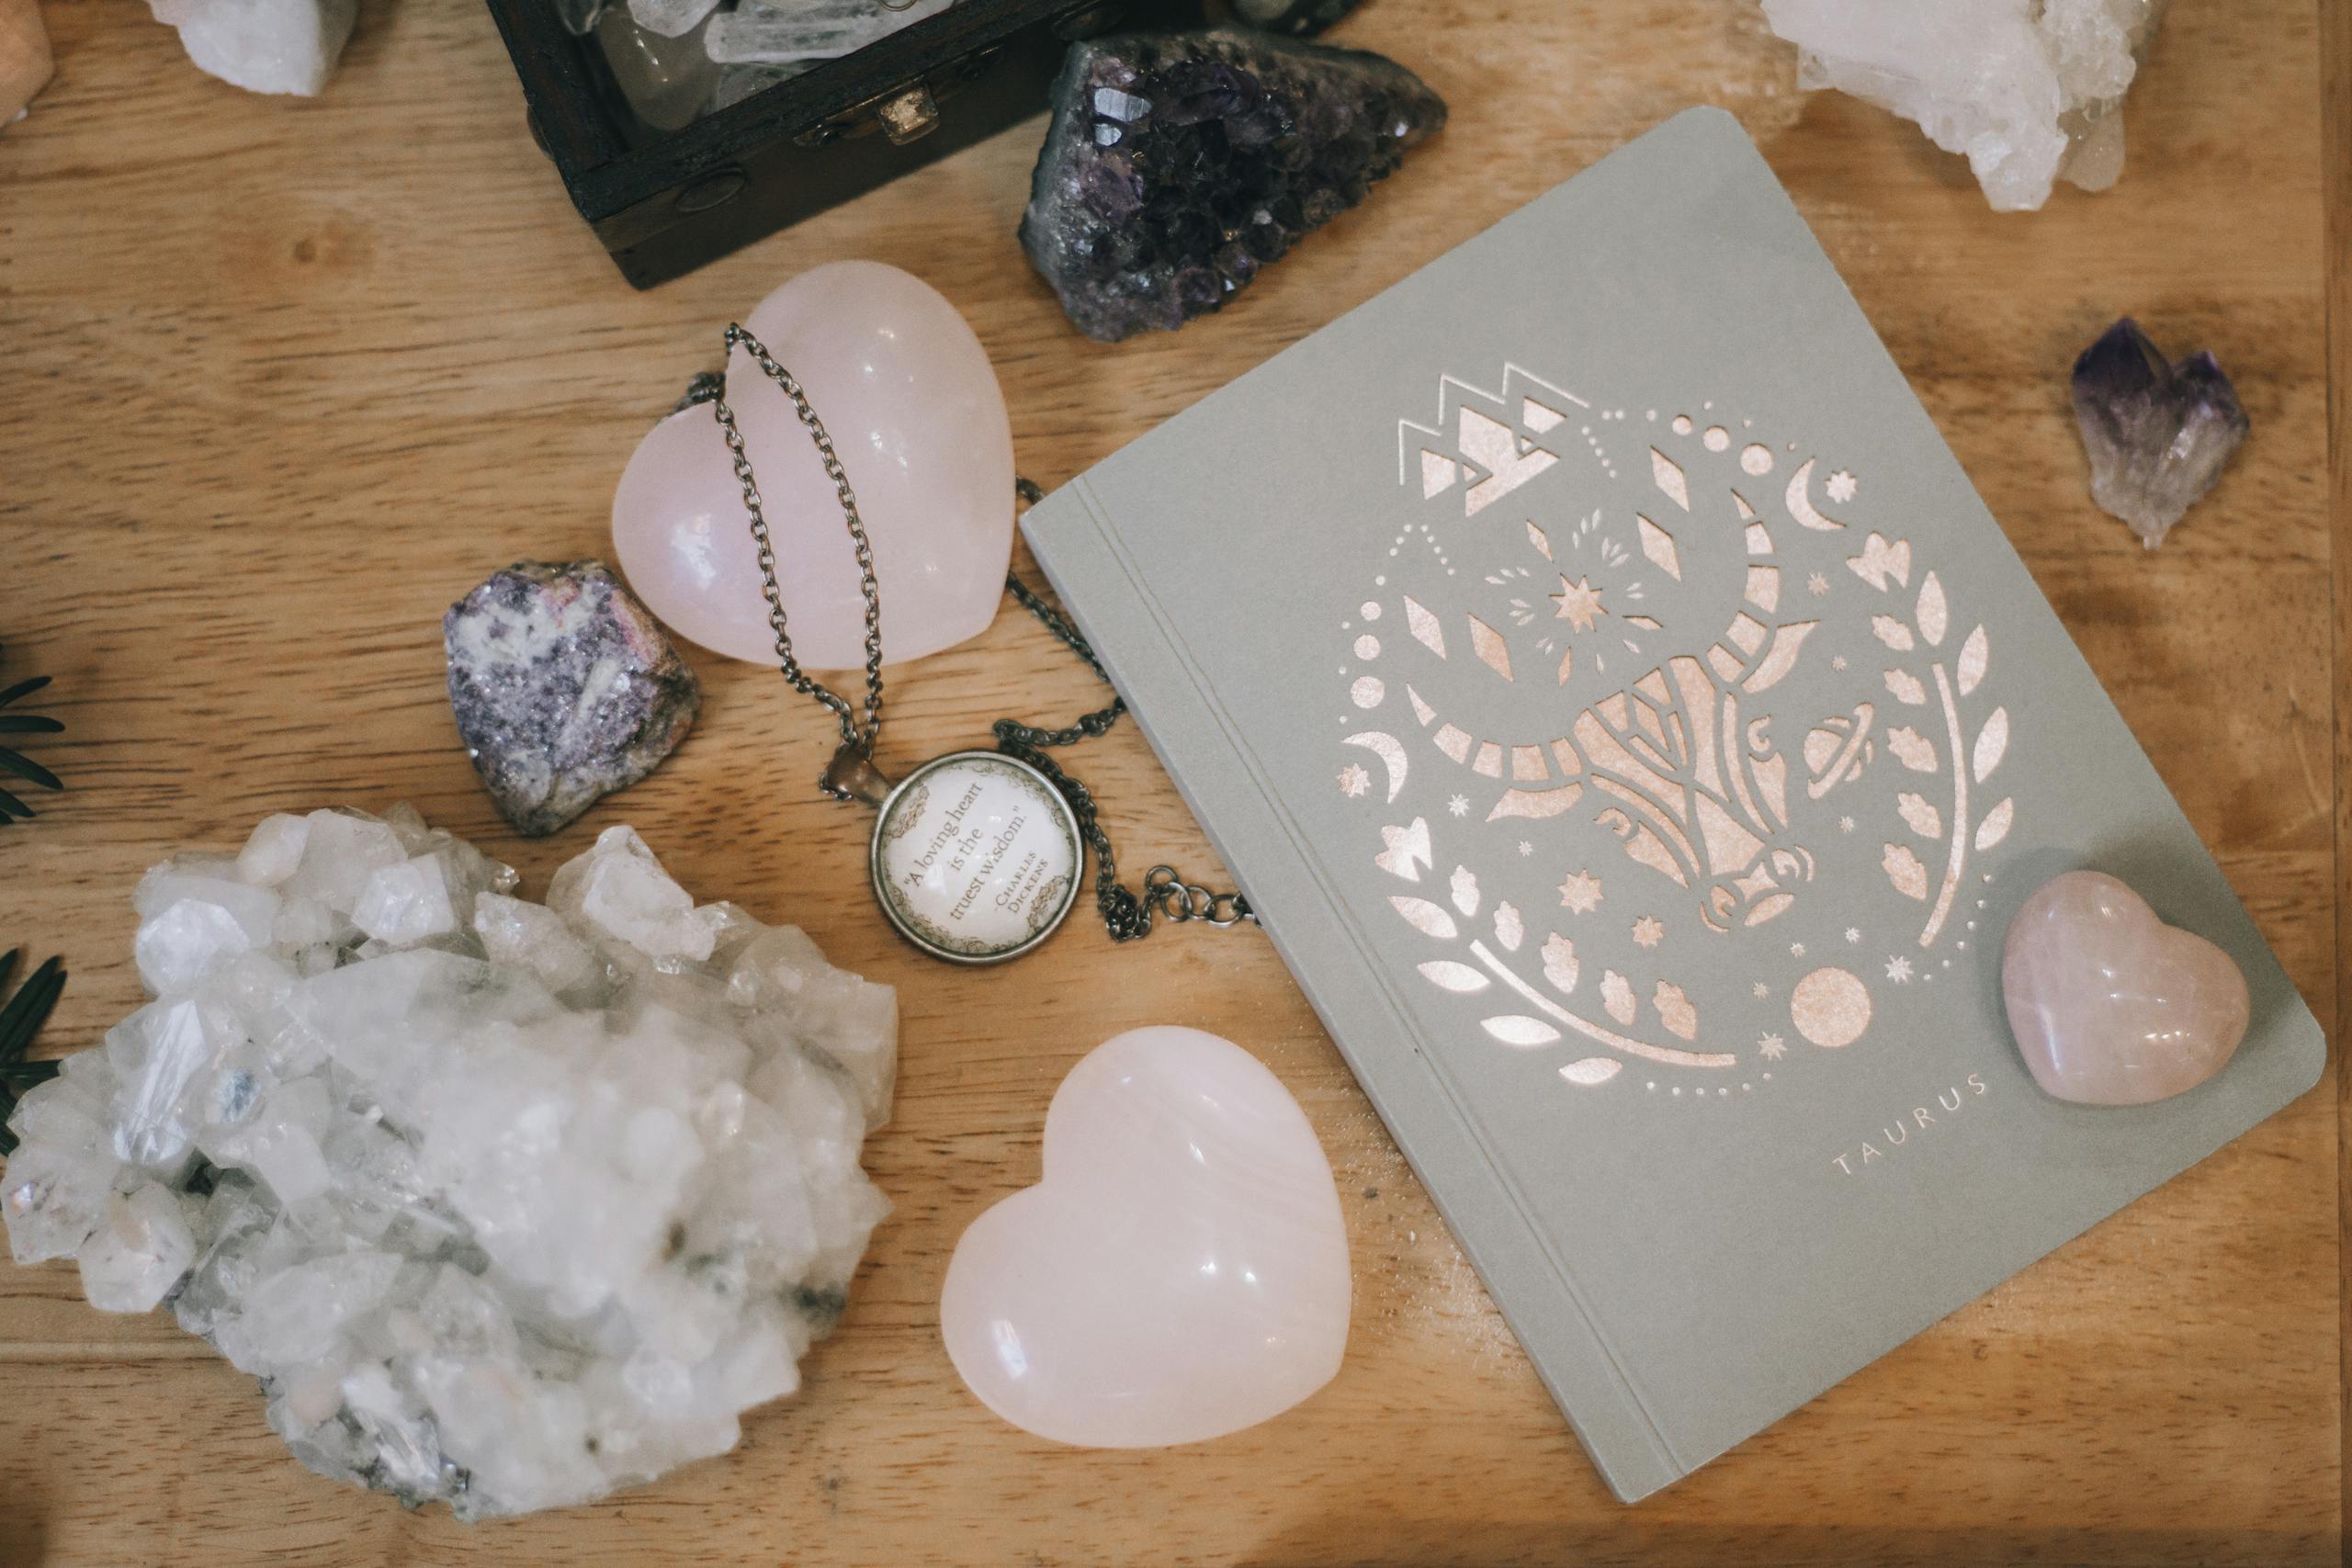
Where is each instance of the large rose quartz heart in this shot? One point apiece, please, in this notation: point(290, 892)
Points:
point(1180, 1273)
point(2111, 1006)
point(915, 413)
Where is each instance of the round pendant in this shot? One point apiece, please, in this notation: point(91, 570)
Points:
point(976, 857)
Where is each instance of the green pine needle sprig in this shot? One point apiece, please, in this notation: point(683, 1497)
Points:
point(13, 761)
point(20, 1019)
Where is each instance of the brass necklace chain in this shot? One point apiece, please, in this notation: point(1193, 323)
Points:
point(1125, 915)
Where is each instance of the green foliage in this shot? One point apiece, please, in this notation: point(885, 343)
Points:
point(20, 1019)
point(16, 762)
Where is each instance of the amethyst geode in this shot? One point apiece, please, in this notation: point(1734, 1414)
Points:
point(566, 689)
point(2157, 434)
point(1178, 165)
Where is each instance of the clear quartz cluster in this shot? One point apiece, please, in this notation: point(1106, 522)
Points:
point(507, 1204)
point(2028, 89)
point(262, 46)
point(676, 60)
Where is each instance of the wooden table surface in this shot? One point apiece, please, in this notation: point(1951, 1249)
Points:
point(279, 380)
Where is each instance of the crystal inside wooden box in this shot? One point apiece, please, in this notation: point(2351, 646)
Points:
point(663, 202)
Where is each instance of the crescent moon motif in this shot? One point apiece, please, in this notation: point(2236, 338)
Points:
point(1800, 502)
point(1391, 755)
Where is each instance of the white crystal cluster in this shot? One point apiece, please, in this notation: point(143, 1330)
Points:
point(262, 46)
point(507, 1204)
point(676, 60)
point(2026, 89)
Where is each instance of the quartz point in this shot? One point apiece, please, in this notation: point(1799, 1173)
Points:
point(737, 82)
point(508, 1210)
point(666, 80)
point(1297, 17)
point(2158, 434)
point(671, 19)
point(565, 689)
point(796, 30)
point(262, 46)
point(578, 16)
point(2026, 89)
point(1178, 165)
point(1180, 1272)
point(2110, 1005)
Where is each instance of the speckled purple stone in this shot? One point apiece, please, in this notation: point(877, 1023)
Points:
point(565, 689)
point(1180, 164)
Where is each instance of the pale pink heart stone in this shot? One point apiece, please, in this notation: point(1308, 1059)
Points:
point(2111, 1006)
point(1180, 1273)
point(906, 391)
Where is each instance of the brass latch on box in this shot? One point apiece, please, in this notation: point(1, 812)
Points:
point(908, 114)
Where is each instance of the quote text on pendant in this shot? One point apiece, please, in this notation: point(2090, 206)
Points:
point(976, 857)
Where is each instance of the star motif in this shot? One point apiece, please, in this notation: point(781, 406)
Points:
point(1845, 824)
point(1898, 970)
point(1762, 989)
point(1525, 848)
point(1839, 663)
point(1580, 603)
point(1771, 1048)
point(1458, 806)
point(1853, 933)
point(1842, 486)
point(1817, 584)
point(1580, 892)
point(1796, 950)
point(1649, 933)
point(1354, 781)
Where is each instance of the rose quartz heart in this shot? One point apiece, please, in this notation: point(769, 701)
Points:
point(2111, 1006)
point(915, 413)
point(1180, 1273)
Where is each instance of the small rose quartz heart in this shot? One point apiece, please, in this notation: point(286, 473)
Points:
point(2111, 1006)
point(905, 392)
point(1180, 1273)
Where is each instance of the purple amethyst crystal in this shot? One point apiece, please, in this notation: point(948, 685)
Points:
point(1178, 165)
point(1296, 17)
point(565, 688)
point(2158, 434)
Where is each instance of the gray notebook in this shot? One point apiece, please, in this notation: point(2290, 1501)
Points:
point(1636, 736)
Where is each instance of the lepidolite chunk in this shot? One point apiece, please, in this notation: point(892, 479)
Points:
point(565, 689)
point(1179, 165)
point(2157, 434)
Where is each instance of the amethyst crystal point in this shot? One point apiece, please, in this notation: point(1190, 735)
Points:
point(1179, 165)
point(2158, 433)
point(566, 689)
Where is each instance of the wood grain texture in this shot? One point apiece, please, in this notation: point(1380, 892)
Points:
point(279, 380)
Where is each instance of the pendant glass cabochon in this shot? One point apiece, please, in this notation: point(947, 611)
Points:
point(976, 857)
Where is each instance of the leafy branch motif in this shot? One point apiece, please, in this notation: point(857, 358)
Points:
point(1561, 971)
point(1971, 763)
